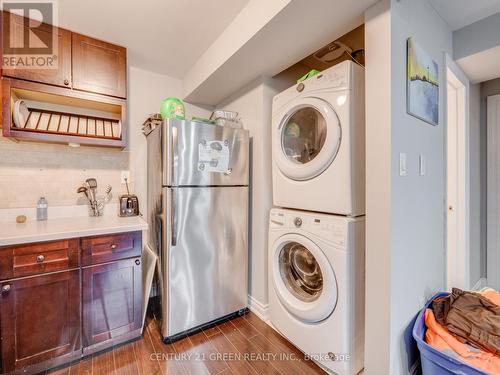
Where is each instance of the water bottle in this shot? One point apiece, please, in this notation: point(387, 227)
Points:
point(41, 209)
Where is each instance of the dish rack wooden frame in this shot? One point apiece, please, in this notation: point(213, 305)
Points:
point(85, 123)
point(104, 138)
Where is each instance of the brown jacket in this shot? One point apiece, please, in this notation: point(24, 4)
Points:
point(471, 318)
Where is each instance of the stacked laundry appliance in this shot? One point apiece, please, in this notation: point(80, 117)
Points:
point(317, 230)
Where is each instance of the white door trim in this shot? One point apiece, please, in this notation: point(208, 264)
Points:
point(458, 219)
point(493, 186)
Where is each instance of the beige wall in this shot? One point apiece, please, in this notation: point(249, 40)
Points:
point(253, 103)
point(30, 170)
point(146, 91)
point(378, 188)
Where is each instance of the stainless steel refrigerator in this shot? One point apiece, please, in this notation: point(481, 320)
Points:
point(198, 177)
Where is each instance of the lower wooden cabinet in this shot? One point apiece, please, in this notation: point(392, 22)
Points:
point(40, 321)
point(54, 311)
point(112, 303)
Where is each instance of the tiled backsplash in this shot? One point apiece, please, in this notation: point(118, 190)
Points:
point(31, 170)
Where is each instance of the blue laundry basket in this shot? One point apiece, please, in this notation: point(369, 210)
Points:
point(433, 361)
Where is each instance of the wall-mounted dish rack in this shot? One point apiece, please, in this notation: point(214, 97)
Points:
point(53, 119)
point(36, 112)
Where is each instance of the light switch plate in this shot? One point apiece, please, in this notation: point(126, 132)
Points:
point(402, 164)
point(421, 165)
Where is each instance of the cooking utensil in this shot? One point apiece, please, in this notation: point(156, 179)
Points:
point(84, 190)
point(107, 192)
point(88, 194)
point(92, 184)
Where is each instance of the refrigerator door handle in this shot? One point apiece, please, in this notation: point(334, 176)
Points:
point(173, 217)
point(174, 156)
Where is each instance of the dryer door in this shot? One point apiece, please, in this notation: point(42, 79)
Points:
point(303, 278)
point(307, 138)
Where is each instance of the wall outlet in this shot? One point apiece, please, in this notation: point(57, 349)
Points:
point(125, 176)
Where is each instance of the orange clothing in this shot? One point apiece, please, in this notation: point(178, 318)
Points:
point(492, 295)
point(439, 338)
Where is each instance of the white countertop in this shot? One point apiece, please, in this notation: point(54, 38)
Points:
point(12, 233)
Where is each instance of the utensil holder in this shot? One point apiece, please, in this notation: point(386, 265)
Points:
point(96, 208)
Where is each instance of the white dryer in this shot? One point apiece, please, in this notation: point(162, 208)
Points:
point(318, 141)
point(316, 286)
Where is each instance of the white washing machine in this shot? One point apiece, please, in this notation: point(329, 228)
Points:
point(318, 141)
point(316, 286)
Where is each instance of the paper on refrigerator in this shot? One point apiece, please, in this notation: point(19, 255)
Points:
point(213, 156)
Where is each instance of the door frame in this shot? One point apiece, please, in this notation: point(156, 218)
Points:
point(492, 220)
point(458, 253)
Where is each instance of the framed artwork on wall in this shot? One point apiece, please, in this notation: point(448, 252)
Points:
point(422, 84)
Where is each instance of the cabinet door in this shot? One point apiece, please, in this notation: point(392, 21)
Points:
point(98, 66)
point(112, 303)
point(40, 324)
point(60, 74)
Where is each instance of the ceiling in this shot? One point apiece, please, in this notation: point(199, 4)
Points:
point(165, 36)
point(482, 66)
point(300, 29)
point(460, 13)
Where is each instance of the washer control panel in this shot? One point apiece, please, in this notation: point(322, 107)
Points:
point(298, 222)
point(331, 228)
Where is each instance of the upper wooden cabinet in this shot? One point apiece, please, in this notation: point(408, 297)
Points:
point(80, 101)
point(60, 75)
point(98, 66)
point(83, 63)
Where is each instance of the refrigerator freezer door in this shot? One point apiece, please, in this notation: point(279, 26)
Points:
point(200, 154)
point(205, 273)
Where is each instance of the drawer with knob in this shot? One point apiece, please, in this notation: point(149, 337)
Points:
point(38, 258)
point(109, 248)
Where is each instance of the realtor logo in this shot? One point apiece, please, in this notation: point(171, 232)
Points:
point(29, 36)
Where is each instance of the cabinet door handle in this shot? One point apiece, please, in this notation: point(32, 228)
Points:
point(66, 82)
point(138, 262)
point(6, 288)
point(113, 246)
point(40, 259)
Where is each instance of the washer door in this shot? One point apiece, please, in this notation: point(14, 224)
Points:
point(307, 139)
point(303, 278)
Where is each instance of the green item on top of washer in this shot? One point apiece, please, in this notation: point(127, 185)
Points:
point(309, 74)
point(172, 108)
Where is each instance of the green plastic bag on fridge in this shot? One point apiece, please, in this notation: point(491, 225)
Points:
point(172, 108)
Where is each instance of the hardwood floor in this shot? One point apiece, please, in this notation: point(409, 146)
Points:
point(245, 345)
